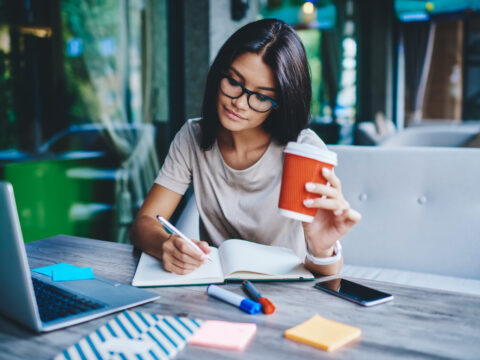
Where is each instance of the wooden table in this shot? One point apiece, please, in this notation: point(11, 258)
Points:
point(419, 323)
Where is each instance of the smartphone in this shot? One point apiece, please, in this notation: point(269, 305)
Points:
point(352, 291)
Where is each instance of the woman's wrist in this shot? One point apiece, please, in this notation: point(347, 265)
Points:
point(321, 253)
point(327, 257)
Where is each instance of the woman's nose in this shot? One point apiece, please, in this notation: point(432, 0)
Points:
point(241, 102)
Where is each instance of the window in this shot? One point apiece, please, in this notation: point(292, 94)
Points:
point(66, 63)
point(8, 125)
point(441, 42)
point(102, 51)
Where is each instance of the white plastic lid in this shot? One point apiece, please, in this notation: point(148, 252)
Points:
point(312, 152)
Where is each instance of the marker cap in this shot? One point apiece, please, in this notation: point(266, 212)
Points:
point(250, 306)
point(267, 306)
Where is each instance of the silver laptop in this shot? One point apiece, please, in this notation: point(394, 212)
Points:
point(41, 304)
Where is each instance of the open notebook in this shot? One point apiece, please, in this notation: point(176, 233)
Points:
point(233, 260)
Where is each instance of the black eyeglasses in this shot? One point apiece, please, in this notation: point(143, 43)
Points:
point(256, 101)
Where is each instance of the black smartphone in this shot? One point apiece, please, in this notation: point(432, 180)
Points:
point(352, 291)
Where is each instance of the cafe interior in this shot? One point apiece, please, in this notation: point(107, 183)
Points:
point(93, 93)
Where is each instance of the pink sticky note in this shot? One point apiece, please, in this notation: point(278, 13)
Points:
point(224, 335)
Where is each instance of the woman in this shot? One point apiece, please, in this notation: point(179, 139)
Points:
point(257, 98)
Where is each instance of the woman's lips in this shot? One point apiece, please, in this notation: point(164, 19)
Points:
point(233, 115)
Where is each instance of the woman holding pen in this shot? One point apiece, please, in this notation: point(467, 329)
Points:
point(257, 98)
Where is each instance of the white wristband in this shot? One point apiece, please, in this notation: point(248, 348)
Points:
point(337, 255)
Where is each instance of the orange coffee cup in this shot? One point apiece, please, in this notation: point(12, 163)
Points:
point(302, 163)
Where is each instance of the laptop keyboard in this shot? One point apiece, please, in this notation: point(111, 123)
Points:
point(54, 303)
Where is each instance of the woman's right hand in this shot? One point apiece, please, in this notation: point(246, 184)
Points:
point(177, 255)
point(180, 257)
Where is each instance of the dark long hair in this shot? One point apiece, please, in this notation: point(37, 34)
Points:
point(283, 51)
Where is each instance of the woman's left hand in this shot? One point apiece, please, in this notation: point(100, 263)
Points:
point(334, 217)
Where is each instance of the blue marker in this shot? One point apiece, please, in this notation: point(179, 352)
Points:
point(247, 305)
point(267, 305)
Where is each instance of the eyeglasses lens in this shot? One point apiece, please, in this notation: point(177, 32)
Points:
point(234, 90)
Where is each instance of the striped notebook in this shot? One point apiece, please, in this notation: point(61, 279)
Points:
point(135, 335)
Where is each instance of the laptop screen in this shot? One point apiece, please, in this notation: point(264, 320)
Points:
point(18, 299)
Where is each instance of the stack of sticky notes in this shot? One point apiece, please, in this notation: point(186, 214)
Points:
point(224, 335)
point(135, 335)
point(325, 334)
point(66, 272)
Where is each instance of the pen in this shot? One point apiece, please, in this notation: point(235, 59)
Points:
point(247, 305)
point(267, 305)
point(174, 230)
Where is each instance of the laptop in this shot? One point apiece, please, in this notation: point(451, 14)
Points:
point(39, 303)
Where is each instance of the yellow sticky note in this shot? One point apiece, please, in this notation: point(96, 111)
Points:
point(325, 334)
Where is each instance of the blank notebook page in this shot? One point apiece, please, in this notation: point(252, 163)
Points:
point(241, 255)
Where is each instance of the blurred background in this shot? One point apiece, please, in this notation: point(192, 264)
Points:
point(92, 92)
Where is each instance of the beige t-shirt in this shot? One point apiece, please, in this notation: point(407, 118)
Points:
point(240, 204)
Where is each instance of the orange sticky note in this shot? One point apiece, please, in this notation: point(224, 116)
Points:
point(224, 335)
point(325, 334)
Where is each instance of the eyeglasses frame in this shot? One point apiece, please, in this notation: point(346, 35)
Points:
point(249, 93)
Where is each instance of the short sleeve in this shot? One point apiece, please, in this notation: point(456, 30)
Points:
point(176, 171)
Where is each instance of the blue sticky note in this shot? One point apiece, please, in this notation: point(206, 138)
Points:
point(48, 270)
point(68, 274)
